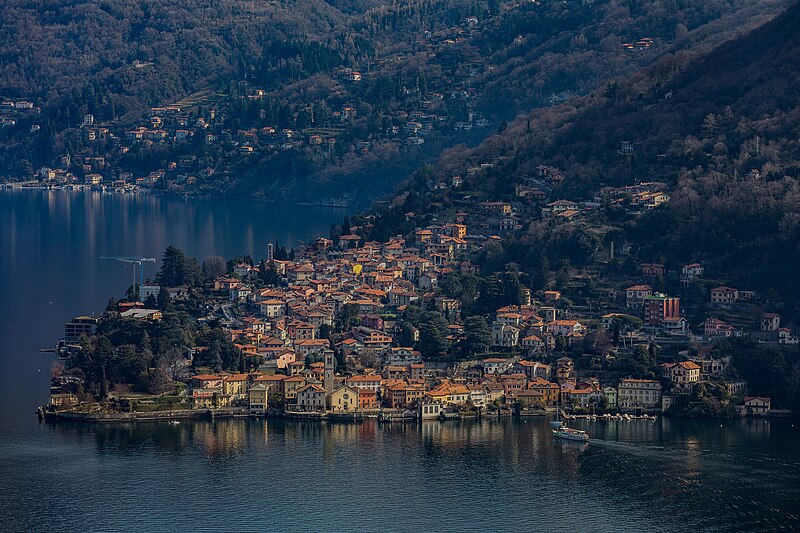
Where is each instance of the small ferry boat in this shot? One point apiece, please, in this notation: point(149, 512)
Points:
point(571, 434)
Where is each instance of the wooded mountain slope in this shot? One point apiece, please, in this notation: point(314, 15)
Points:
point(115, 59)
point(722, 130)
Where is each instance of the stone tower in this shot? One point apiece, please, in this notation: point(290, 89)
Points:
point(328, 376)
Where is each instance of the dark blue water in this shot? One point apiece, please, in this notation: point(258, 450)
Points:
point(254, 475)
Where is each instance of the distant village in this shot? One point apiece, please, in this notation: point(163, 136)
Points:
point(305, 361)
point(196, 133)
point(200, 119)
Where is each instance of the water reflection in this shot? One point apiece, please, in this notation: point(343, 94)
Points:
point(461, 475)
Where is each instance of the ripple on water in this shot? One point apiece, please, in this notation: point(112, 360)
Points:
point(246, 475)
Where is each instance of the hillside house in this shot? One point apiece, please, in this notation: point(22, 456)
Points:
point(636, 294)
point(724, 295)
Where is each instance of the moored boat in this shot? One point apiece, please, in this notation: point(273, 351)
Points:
point(557, 423)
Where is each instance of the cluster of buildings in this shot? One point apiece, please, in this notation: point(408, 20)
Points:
point(316, 388)
point(526, 384)
point(340, 304)
point(635, 199)
point(294, 334)
point(287, 330)
point(13, 110)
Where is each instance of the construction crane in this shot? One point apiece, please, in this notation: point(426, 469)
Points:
point(134, 261)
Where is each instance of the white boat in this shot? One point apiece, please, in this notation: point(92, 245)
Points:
point(571, 434)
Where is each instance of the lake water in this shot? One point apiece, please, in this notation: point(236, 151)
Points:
point(257, 475)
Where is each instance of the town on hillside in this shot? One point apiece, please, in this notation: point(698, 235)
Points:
point(409, 327)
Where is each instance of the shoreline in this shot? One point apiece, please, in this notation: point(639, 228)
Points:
point(110, 418)
point(79, 187)
point(382, 415)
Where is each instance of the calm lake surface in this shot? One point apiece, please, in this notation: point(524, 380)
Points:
point(257, 475)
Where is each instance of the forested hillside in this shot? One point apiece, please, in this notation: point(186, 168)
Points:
point(719, 130)
point(78, 56)
point(268, 101)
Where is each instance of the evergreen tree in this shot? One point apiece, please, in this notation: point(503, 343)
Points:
point(433, 336)
point(406, 337)
point(215, 356)
point(144, 342)
point(325, 331)
point(478, 335)
point(335, 234)
point(177, 269)
point(340, 361)
point(131, 294)
point(513, 291)
point(492, 293)
point(103, 356)
point(164, 301)
point(171, 273)
point(102, 382)
point(561, 343)
point(348, 317)
point(268, 273)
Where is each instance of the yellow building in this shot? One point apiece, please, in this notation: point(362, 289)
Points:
point(258, 398)
point(290, 386)
point(449, 394)
point(343, 399)
point(545, 391)
point(235, 385)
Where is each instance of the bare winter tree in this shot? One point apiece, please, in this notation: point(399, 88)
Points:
point(214, 266)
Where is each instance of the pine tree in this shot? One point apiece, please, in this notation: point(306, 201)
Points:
point(215, 356)
point(513, 291)
point(268, 273)
point(164, 301)
point(177, 269)
point(433, 332)
point(103, 355)
point(478, 335)
point(172, 267)
point(103, 382)
point(406, 337)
